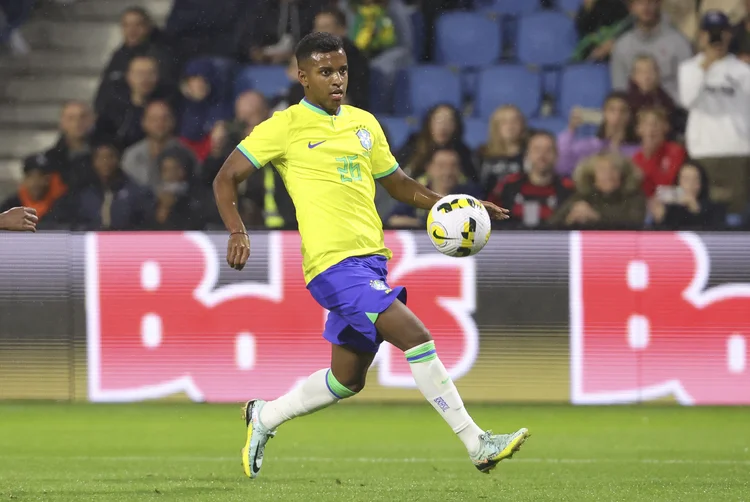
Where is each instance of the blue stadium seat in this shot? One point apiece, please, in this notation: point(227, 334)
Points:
point(584, 85)
point(508, 7)
point(555, 125)
point(508, 85)
point(398, 130)
point(421, 87)
point(545, 38)
point(466, 39)
point(569, 6)
point(271, 81)
point(475, 132)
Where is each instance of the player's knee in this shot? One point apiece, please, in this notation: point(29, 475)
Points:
point(418, 337)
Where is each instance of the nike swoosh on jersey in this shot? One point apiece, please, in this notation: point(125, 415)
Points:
point(313, 145)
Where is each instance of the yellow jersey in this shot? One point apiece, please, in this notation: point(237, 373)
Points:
point(329, 164)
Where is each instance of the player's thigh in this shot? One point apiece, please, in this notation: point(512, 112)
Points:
point(401, 328)
point(350, 366)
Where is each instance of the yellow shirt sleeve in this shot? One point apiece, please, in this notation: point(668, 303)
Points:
point(383, 161)
point(267, 142)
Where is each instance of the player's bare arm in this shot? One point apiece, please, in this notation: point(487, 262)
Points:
point(407, 190)
point(235, 170)
point(19, 219)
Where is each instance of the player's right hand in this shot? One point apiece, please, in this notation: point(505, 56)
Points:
point(238, 250)
point(19, 219)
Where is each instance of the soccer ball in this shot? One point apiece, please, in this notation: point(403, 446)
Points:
point(458, 225)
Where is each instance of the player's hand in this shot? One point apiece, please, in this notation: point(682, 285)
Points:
point(238, 250)
point(19, 219)
point(496, 212)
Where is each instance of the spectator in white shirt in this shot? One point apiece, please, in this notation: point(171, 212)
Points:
point(715, 89)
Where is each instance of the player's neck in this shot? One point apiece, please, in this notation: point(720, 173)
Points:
point(320, 108)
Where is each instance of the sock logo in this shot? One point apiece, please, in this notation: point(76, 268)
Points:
point(441, 402)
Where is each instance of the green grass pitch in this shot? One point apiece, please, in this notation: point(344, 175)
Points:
point(355, 452)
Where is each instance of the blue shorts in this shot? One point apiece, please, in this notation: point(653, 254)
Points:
point(355, 291)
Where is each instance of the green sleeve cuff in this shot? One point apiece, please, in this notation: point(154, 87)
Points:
point(386, 173)
point(249, 156)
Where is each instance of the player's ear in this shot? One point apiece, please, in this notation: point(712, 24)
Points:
point(302, 77)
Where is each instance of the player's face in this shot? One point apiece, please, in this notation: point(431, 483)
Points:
point(325, 77)
point(607, 176)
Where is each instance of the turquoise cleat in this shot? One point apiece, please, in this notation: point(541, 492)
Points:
point(497, 447)
point(257, 437)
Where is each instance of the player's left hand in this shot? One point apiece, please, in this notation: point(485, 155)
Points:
point(496, 212)
point(238, 250)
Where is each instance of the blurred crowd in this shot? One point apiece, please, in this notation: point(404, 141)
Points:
point(669, 148)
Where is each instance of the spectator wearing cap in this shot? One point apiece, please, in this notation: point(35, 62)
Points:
point(120, 117)
point(443, 176)
point(333, 20)
point(180, 203)
point(651, 35)
point(140, 37)
point(41, 189)
point(113, 201)
point(203, 107)
point(140, 161)
point(715, 89)
point(71, 155)
point(533, 195)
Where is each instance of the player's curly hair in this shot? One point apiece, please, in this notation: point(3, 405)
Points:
point(321, 42)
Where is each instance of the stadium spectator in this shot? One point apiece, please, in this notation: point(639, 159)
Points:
point(442, 127)
point(658, 159)
point(740, 45)
point(203, 107)
point(715, 89)
point(113, 201)
point(250, 109)
point(645, 91)
point(686, 205)
point(198, 28)
point(140, 37)
point(443, 175)
point(503, 154)
point(120, 118)
point(608, 195)
point(13, 13)
point(599, 23)
point(615, 133)
point(533, 195)
point(140, 161)
point(652, 35)
point(272, 28)
point(180, 203)
point(41, 189)
point(71, 155)
point(332, 20)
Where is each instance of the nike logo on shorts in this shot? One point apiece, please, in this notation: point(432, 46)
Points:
point(313, 145)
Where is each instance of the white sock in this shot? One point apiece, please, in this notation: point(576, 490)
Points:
point(438, 388)
point(320, 390)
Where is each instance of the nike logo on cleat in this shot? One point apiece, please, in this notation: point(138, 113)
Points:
point(313, 145)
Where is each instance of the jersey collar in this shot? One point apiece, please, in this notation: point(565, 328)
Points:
point(317, 109)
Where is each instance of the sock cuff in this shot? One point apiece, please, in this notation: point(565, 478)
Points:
point(421, 353)
point(338, 390)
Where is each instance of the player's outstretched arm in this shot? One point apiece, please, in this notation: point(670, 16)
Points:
point(19, 219)
point(234, 171)
point(405, 189)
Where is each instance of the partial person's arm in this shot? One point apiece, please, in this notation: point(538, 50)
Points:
point(19, 219)
point(408, 191)
point(235, 170)
point(691, 81)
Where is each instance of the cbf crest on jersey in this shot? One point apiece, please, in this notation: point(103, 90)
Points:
point(365, 138)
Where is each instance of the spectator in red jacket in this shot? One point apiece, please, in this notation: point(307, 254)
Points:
point(534, 194)
point(658, 159)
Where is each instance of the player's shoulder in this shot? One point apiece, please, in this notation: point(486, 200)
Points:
point(282, 117)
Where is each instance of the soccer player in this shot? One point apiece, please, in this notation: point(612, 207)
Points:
point(19, 219)
point(329, 156)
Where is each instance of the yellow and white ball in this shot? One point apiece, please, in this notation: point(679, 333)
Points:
point(458, 225)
